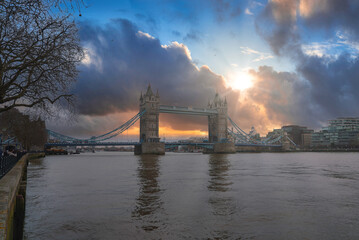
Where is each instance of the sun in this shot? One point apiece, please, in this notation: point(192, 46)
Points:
point(240, 80)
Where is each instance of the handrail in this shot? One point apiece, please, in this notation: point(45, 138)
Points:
point(8, 162)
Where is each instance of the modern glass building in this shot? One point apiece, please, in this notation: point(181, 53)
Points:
point(341, 132)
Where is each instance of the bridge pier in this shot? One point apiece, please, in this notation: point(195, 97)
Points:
point(227, 147)
point(156, 148)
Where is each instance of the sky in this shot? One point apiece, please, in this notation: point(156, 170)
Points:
point(277, 62)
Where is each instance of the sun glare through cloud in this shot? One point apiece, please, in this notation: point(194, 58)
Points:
point(240, 80)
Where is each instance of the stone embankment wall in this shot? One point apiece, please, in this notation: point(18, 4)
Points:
point(12, 199)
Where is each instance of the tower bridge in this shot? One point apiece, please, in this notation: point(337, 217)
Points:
point(149, 123)
point(221, 138)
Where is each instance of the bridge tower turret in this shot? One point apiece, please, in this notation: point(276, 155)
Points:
point(149, 124)
point(217, 126)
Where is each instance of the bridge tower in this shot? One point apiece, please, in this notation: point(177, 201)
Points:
point(149, 124)
point(217, 126)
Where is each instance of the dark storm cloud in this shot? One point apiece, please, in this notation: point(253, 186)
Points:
point(334, 85)
point(122, 61)
point(281, 95)
point(282, 22)
point(332, 14)
point(331, 81)
point(276, 25)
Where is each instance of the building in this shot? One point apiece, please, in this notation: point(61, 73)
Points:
point(341, 132)
point(295, 133)
point(300, 135)
point(274, 133)
point(307, 139)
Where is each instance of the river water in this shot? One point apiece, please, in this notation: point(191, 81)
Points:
point(193, 196)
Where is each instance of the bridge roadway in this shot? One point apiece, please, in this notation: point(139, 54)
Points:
point(68, 144)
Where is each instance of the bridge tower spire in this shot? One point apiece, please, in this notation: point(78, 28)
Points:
point(149, 124)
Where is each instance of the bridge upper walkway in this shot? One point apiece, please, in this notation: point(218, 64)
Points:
point(187, 110)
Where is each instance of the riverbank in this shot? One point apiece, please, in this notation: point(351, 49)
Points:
point(12, 198)
point(36, 155)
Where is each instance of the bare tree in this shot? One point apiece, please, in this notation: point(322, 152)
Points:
point(74, 5)
point(39, 52)
point(29, 132)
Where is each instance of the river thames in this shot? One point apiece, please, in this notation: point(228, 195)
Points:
point(193, 196)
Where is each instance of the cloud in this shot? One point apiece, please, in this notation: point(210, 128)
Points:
point(308, 8)
point(283, 11)
point(248, 11)
point(252, 7)
point(130, 60)
point(176, 33)
point(351, 45)
point(328, 69)
point(333, 84)
point(319, 49)
point(193, 36)
point(260, 55)
point(281, 25)
point(331, 14)
point(226, 10)
point(282, 96)
point(148, 19)
point(277, 25)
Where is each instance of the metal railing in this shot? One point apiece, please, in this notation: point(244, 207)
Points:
point(8, 162)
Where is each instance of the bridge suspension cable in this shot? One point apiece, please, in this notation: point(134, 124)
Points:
point(239, 137)
point(113, 133)
point(119, 129)
point(243, 137)
point(242, 134)
point(273, 140)
point(9, 141)
point(61, 136)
